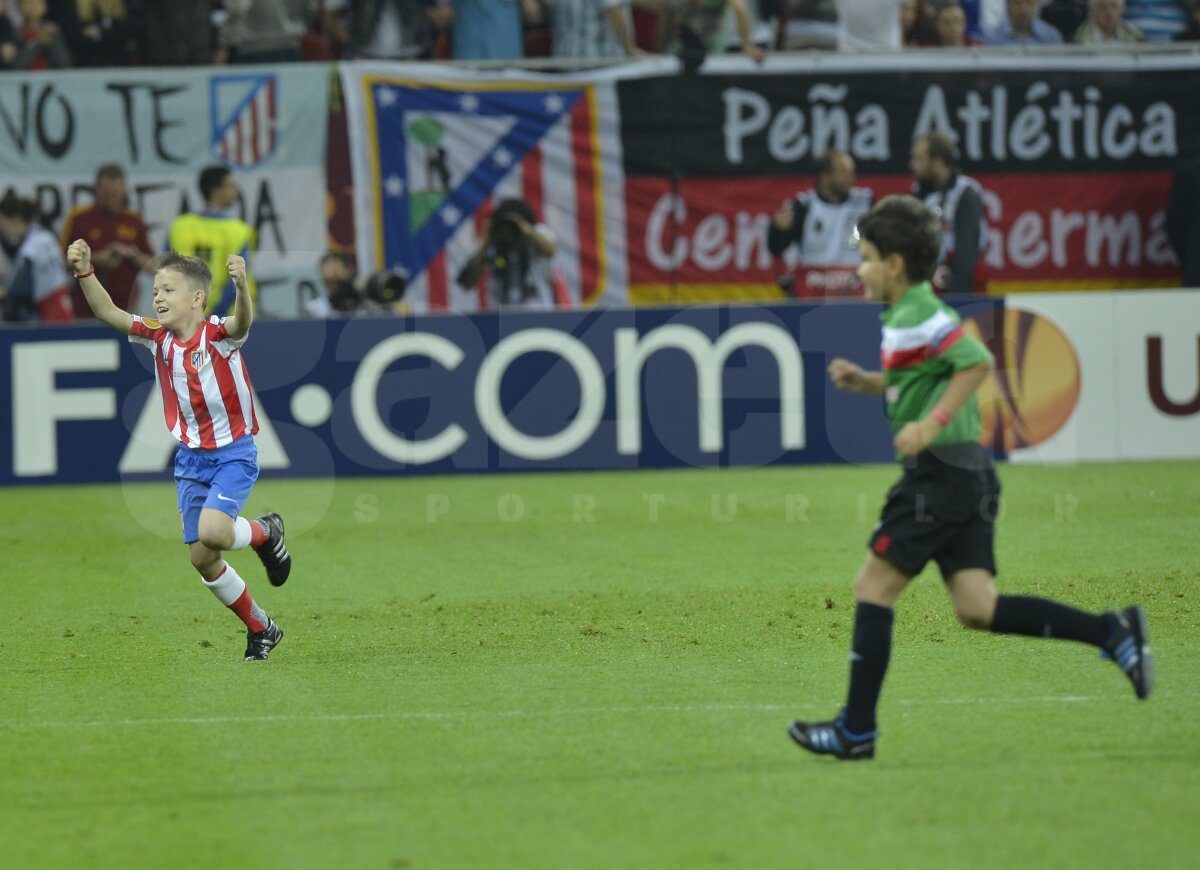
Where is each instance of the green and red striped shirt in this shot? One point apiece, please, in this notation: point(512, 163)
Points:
point(923, 346)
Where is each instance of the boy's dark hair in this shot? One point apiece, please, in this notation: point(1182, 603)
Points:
point(212, 177)
point(904, 225)
point(194, 270)
point(15, 206)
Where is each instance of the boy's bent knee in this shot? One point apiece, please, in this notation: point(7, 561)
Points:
point(203, 557)
point(216, 532)
point(215, 541)
point(973, 592)
point(974, 618)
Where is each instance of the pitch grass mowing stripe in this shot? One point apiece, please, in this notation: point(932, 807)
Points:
point(540, 714)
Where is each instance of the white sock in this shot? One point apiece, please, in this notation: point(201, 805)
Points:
point(228, 587)
point(241, 534)
point(231, 591)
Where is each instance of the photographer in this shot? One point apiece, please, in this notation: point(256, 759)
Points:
point(347, 295)
point(514, 258)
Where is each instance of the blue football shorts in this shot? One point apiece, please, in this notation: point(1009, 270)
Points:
point(220, 479)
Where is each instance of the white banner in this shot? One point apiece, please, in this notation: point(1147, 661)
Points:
point(1127, 379)
point(163, 126)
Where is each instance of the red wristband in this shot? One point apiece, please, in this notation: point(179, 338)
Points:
point(86, 274)
point(938, 413)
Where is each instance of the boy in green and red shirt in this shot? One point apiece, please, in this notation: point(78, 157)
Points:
point(945, 504)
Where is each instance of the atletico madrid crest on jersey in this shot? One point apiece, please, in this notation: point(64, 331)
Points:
point(195, 361)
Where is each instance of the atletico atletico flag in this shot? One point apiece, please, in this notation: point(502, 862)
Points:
point(438, 155)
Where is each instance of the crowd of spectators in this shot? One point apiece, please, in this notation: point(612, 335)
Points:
point(53, 34)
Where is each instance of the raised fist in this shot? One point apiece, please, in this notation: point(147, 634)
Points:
point(79, 255)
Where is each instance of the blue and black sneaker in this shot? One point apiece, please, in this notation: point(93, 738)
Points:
point(1129, 646)
point(274, 553)
point(833, 738)
point(260, 643)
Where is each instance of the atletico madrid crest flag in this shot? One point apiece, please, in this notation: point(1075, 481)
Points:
point(434, 150)
point(244, 118)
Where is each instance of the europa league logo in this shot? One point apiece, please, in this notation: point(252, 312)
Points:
point(1036, 383)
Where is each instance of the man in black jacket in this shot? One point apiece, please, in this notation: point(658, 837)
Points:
point(958, 199)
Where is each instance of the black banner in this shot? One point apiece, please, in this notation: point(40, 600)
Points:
point(1076, 120)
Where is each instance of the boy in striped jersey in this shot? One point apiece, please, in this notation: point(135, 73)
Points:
point(209, 407)
point(945, 504)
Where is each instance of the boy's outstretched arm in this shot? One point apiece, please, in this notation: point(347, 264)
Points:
point(238, 324)
point(850, 377)
point(79, 256)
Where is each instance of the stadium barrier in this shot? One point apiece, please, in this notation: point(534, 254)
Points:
point(1081, 377)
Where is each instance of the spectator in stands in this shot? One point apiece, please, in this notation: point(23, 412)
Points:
point(805, 24)
point(9, 46)
point(762, 33)
point(592, 28)
point(514, 259)
point(36, 284)
point(984, 16)
point(41, 44)
point(333, 21)
point(868, 25)
point(263, 31)
point(99, 33)
point(1065, 16)
point(1104, 24)
point(914, 24)
point(212, 234)
point(959, 200)
point(117, 236)
point(175, 33)
point(1183, 220)
point(908, 24)
point(491, 29)
point(697, 28)
point(1023, 27)
point(1159, 20)
point(1191, 33)
point(820, 223)
point(950, 27)
point(395, 29)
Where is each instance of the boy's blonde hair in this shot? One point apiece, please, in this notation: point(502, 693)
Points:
point(194, 270)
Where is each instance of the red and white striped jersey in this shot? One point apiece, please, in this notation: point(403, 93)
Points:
point(204, 382)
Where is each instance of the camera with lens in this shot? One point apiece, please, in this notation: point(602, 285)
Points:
point(384, 289)
point(506, 234)
point(347, 293)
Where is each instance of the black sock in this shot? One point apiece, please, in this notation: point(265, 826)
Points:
point(1040, 617)
point(868, 663)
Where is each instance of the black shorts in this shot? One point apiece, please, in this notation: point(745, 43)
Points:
point(944, 508)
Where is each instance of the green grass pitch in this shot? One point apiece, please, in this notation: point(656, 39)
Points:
point(588, 670)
